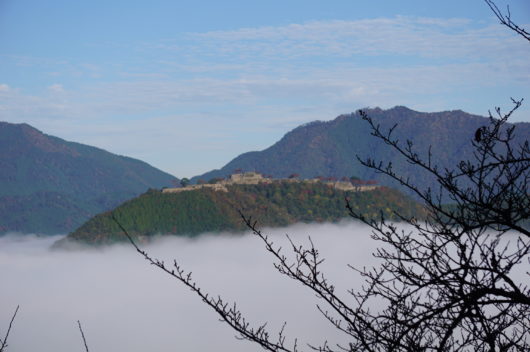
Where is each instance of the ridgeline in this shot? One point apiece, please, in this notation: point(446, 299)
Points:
point(50, 186)
point(330, 148)
point(206, 209)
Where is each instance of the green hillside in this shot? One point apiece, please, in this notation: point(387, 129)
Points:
point(194, 212)
point(49, 185)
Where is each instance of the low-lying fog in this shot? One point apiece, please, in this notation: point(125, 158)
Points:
point(124, 304)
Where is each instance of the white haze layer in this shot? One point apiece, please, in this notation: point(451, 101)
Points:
point(124, 304)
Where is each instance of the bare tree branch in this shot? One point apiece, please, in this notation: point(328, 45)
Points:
point(3, 343)
point(506, 19)
point(82, 335)
point(229, 313)
point(448, 282)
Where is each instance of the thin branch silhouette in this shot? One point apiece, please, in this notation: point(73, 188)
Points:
point(82, 335)
point(506, 19)
point(229, 313)
point(3, 343)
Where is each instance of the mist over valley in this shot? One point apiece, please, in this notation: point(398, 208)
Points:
point(124, 304)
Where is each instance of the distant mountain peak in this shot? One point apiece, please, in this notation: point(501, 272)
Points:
point(27, 136)
point(401, 108)
point(311, 124)
point(49, 185)
point(24, 127)
point(331, 148)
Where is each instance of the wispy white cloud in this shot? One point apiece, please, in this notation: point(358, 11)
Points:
point(423, 37)
point(56, 88)
point(343, 84)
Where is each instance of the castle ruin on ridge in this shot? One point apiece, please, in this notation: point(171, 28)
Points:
point(254, 178)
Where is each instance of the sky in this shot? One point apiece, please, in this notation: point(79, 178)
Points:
point(188, 85)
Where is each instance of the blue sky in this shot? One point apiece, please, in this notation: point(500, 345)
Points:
point(188, 85)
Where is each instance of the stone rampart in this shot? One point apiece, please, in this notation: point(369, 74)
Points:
point(254, 178)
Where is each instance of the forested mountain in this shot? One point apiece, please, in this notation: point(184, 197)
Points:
point(49, 185)
point(330, 148)
point(205, 210)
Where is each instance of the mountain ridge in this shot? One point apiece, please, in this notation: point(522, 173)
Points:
point(50, 185)
point(272, 203)
point(329, 148)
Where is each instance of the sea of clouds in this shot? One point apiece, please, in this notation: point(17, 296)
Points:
point(125, 304)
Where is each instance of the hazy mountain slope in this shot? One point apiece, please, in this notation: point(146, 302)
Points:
point(330, 148)
point(204, 210)
point(48, 185)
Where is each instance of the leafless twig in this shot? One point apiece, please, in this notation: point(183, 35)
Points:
point(506, 19)
point(229, 313)
point(82, 335)
point(3, 343)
